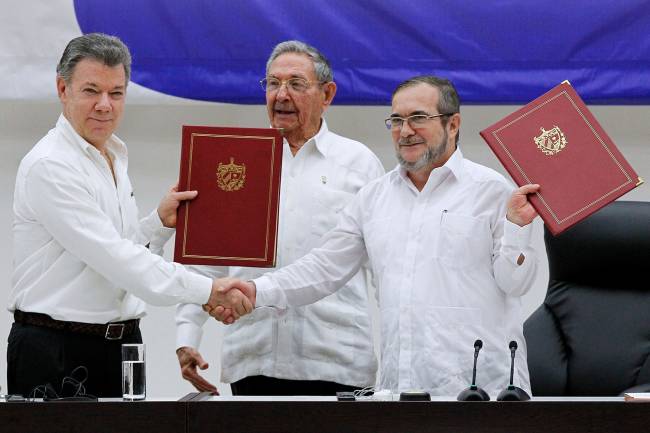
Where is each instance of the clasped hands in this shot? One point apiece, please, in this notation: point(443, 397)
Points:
point(230, 299)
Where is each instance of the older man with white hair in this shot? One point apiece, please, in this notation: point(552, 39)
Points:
point(321, 348)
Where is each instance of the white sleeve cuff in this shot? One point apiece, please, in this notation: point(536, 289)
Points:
point(159, 238)
point(516, 236)
point(265, 295)
point(149, 225)
point(199, 288)
point(188, 334)
point(190, 319)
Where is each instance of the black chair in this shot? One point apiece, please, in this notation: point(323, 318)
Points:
point(591, 336)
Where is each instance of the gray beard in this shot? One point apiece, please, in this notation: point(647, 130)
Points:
point(427, 159)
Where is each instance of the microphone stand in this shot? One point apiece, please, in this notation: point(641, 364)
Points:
point(513, 393)
point(473, 392)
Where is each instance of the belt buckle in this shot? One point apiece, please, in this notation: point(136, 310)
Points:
point(109, 334)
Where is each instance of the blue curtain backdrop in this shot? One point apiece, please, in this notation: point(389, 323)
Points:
point(495, 51)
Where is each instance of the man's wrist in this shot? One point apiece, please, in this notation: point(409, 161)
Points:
point(254, 300)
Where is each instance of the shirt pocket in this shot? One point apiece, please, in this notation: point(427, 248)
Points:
point(253, 335)
point(329, 203)
point(464, 241)
point(333, 333)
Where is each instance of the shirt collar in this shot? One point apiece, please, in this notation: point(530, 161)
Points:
point(319, 140)
point(321, 143)
point(454, 165)
point(114, 144)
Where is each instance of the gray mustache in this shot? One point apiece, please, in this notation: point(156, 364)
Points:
point(410, 141)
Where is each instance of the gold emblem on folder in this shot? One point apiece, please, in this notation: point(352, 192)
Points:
point(552, 141)
point(231, 177)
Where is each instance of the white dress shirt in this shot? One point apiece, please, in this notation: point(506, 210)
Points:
point(330, 340)
point(445, 262)
point(79, 251)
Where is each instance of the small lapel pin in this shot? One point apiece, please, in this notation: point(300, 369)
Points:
point(323, 179)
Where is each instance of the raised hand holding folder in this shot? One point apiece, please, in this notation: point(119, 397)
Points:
point(556, 142)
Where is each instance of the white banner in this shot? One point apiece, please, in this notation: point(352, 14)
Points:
point(33, 35)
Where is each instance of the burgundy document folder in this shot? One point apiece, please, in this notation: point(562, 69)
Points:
point(233, 220)
point(556, 142)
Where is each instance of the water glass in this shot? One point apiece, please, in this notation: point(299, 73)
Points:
point(133, 372)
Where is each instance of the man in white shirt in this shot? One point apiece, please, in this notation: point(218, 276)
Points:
point(327, 346)
point(448, 242)
point(81, 268)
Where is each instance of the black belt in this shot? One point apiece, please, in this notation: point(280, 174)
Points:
point(109, 331)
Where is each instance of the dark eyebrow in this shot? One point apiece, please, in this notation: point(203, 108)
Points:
point(91, 84)
point(292, 76)
point(412, 113)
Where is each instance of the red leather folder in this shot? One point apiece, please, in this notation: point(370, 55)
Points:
point(556, 142)
point(233, 221)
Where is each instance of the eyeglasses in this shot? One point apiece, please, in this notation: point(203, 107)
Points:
point(415, 121)
point(296, 85)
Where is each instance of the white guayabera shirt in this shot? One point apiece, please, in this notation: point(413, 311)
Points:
point(445, 262)
point(330, 340)
point(79, 251)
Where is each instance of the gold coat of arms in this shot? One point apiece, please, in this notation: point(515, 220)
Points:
point(552, 141)
point(231, 177)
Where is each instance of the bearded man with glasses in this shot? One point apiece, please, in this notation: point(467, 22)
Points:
point(449, 245)
point(321, 348)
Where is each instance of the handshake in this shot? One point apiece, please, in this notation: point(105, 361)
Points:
point(230, 299)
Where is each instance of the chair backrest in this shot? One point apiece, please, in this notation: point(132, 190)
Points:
point(591, 336)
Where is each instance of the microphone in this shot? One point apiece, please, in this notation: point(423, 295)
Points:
point(474, 393)
point(513, 393)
